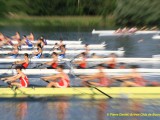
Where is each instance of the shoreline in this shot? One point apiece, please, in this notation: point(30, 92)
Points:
point(56, 21)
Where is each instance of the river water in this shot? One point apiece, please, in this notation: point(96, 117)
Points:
point(76, 109)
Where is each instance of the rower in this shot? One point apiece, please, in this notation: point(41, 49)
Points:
point(54, 63)
point(56, 46)
point(2, 39)
point(134, 79)
point(101, 76)
point(14, 52)
point(93, 55)
point(20, 75)
point(122, 65)
point(38, 53)
point(112, 62)
point(63, 52)
point(86, 48)
point(60, 43)
point(41, 42)
point(30, 37)
point(82, 64)
point(24, 63)
point(60, 80)
point(27, 41)
point(16, 36)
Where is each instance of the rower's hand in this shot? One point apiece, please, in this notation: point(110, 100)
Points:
point(3, 79)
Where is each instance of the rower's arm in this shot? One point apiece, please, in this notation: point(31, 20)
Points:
point(53, 77)
point(91, 77)
point(123, 77)
point(9, 79)
point(20, 62)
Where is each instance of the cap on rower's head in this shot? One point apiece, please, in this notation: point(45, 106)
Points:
point(60, 66)
point(54, 53)
point(18, 67)
point(56, 43)
point(26, 54)
point(134, 66)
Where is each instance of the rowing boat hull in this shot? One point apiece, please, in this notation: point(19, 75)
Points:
point(112, 32)
point(156, 37)
point(96, 46)
point(83, 92)
point(79, 71)
point(125, 60)
point(57, 41)
point(70, 52)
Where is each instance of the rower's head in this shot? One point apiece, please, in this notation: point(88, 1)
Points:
point(113, 55)
point(17, 33)
point(56, 44)
point(18, 68)
point(25, 55)
point(61, 40)
point(134, 67)
point(24, 36)
point(60, 68)
point(39, 46)
point(86, 45)
point(63, 46)
point(100, 66)
point(93, 54)
point(83, 54)
point(54, 54)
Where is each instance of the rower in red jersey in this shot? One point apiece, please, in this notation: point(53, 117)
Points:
point(60, 80)
point(20, 75)
point(112, 62)
point(134, 79)
point(54, 63)
point(82, 64)
point(100, 76)
point(24, 63)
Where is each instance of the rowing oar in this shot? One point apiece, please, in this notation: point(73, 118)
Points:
point(37, 66)
point(90, 85)
point(72, 72)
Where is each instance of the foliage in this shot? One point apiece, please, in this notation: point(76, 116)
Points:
point(137, 12)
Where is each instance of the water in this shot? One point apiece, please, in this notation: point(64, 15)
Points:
point(76, 109)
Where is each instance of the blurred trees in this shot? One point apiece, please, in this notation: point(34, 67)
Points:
point(137, 12)
point(126, 12)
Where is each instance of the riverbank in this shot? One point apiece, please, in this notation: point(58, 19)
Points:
point(55, 21)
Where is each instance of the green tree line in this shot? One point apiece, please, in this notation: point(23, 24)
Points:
point(125, 12)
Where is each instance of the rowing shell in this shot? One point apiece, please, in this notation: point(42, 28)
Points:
point(80, 71)
point(112, 32)
point(57, 41)
point(156, 37)
point(83, 92)
point(96, 46)
point(125, 60)
point(71, 52)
